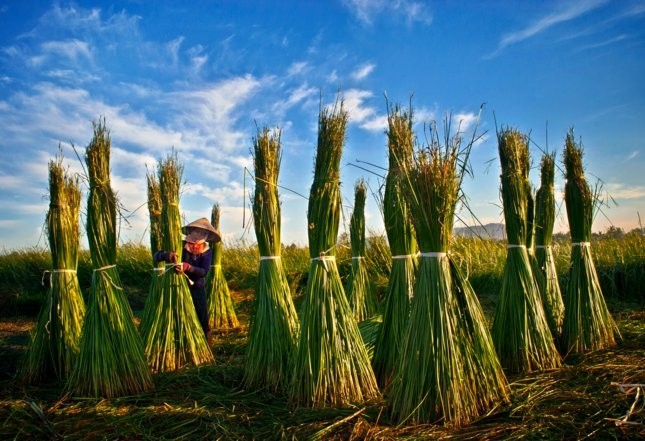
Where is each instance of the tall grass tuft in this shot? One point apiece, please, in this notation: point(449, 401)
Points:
point(403, 247)
point(221, 312)
point(331, 365)
point(544, 220)
point(154, 291)
point(273, 330)
point(448, 370)
point(173, 335)
point(587, 324)
point(520, 329)
point(55, 340)
point(360, 291)
point(112, 361)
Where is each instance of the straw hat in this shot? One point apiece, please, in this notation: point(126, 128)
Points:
point(200, 231)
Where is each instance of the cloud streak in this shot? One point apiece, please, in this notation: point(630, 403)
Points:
point(570, 11)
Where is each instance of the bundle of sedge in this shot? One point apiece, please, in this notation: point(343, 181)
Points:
point(448, 370)
point(221, 313)
point(403, 247)
point(55, 340)
point(520, 329)
point(360, 292)
point(111, 361)
point(331, 365)
point(273, 331)
point(173, 335)
point(154, 211)
point(587, 324)
point(544, 220)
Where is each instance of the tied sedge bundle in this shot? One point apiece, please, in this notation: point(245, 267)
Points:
point(154, 211)
point(448, 370)
point(540, 280)
point(173, 335)
point(403, 246)
point(587, 324)
point(273, 331)
point(111, 362)
point(55, 341)
point(544, 220)
point(520, 330)
point(359, 289)
point(221, 313)
point(331, 365)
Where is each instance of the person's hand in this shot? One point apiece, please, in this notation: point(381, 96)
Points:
point(182, 267)
point(172, 257)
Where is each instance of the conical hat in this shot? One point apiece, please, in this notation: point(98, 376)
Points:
point(201, 230)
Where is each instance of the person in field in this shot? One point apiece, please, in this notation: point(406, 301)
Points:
point(196, 258)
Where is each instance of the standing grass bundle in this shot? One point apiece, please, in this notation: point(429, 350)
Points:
point(273, 331)
point(55, 341)
point(154, 211)
point(331, 365)
point(520, 329)
point(173, 335)
point(544, 220)
point(360, 292)
point(403, 247)
point(111, 362)
point(221, 313)
point(587, 324)
point(448, 370)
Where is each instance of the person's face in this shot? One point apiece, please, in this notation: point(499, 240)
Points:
point(196, 248)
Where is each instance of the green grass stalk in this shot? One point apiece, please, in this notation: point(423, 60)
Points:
point(544, 220)
point(520, 329)
point(587, 324)
point(111, 362)
point(448, 371)
point(331, 365)
point(403, 247)
point(360, 291)
point(221, 312)
point(273, 330)
point(173, 336)
point(55, 340)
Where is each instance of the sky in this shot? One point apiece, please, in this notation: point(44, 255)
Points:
point(200, 77)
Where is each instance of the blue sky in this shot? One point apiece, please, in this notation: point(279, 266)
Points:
point(199, 77)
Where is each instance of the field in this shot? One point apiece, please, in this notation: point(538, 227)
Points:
point(582, 400)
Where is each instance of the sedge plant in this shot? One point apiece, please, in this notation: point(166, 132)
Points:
point(448, 371)
point(587, 324)
point(403, 247)
point(221, 312)
point(331, 365)
point(273, 331)
point(111, 361)
point(173, 336)
point(154, 212)
point(360, 292)
point(544, 220)
point(55, 340)
point(521, 333)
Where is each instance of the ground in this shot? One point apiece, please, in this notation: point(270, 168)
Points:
point(582, 400)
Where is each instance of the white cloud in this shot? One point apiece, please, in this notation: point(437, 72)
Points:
point(622, 191)
point(297, 68)
point(633, 154)
point(363, 71)
point(354, 102)
point(209, 113)
point(603, 43)
point(301, 93)
point(570, 11)
point(70, 49)
point(409, 10)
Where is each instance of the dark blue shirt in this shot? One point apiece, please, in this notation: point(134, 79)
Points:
point(200, 264)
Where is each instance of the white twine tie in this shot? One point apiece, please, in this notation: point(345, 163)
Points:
point(434, 254)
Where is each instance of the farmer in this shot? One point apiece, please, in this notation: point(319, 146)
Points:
point(196, 259)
